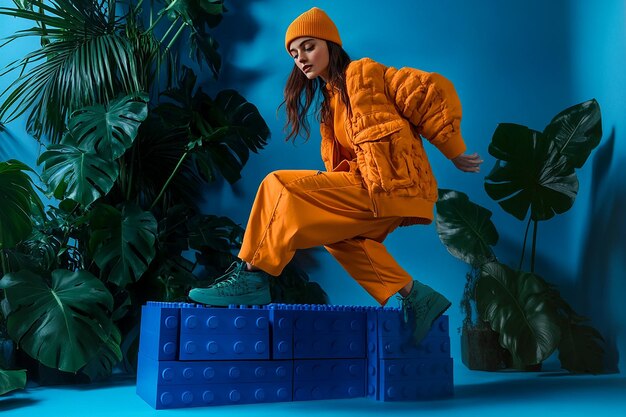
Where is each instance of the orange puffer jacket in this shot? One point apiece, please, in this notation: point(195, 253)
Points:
point(391, 110)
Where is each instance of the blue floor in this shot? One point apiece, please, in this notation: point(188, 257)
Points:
point(502, 394)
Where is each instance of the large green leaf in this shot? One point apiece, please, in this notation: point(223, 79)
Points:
point(62, 326)
point(529, 173)
point(109, 355)
point(516, 304)
point(122, 242)
point(233, 127)
point(465, 228)
point(18, 197)
point(12, 380)
point(109, 129)
point(581, 349)
point(576, 131)
point(83, 176)
point(221, 132)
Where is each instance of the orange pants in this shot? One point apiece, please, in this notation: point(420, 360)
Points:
point(303, 209)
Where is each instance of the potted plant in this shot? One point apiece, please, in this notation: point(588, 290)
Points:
point(534, 177)
point(127, 146)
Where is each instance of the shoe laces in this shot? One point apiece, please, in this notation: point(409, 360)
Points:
point(230, 279)
point(408, 303)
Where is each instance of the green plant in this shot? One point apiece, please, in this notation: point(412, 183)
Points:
point(130, 138)
point(534, 172)
point(11, 380)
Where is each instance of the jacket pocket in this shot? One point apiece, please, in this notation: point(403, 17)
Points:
point(375, 126)
point(385, 163)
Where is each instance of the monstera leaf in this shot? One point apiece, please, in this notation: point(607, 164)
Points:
point(234, 127)
point(12, 380)
point(576, 131)
point(109, 129)
point(529, 173)
point(63, 325)
point(220, 139)
point(122, 242)
point(465, 228)
point(83, 176)
point(581, 348)
point(18, 199)
point(517, 306)
point(109, 355)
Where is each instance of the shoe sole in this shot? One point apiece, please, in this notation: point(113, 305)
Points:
point(258, 298)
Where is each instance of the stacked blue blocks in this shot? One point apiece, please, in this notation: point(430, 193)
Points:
point(192, 355)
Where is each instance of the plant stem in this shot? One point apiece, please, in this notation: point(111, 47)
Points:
point(130, 175)
point(180, 30)
point(167, 183)
point(4, 265)
point(167, 32)
point(532, 257)
point(524, 245)
point(138, 6)
point(159, 16)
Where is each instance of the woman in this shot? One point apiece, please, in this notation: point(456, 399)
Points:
point(377, 175)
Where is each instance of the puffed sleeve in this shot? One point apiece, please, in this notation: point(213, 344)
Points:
point(430, 102)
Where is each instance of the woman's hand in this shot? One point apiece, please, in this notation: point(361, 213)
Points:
point(468, 163)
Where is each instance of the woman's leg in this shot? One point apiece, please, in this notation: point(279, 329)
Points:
point(372, 266)
point(303, 209)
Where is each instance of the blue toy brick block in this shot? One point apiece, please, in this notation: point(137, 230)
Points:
point(224, 334)
point(328, 379)
point(203, 320)
point(390, 337)
point(329, 334)
point(372, 380)
point(415, 369)
point(197, 356)
point(391, 323)
point(414, 379)
point(158, 337)
point(221, 394)
point(422, 390)
point(224, 347)
point(203, 372)
point(175, 384)
point(403, 348)
point(281, 332)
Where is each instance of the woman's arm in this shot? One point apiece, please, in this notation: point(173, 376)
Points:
point(430, 102)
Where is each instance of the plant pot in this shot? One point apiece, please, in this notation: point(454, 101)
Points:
point(481, 350)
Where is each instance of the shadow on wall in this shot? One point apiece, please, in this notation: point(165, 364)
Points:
point(238, 28)
point(604, 249)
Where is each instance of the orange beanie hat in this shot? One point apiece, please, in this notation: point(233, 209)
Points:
point(314, 23)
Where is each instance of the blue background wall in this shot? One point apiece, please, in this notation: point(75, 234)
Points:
point(516, 61)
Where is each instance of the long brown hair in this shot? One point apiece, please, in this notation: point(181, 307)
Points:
point(300, 93)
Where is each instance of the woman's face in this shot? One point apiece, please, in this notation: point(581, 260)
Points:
point(311, 56)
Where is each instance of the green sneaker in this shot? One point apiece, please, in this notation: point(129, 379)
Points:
point(421, 308)
point(236, 286)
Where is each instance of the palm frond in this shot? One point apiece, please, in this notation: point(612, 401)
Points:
point(83, 61)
